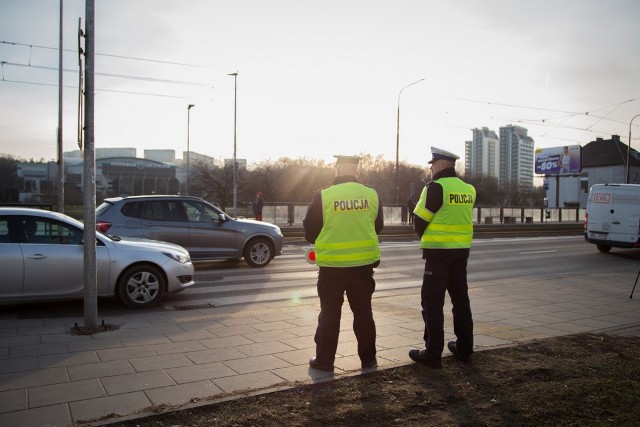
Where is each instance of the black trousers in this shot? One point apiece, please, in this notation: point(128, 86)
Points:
point(359, 286)
point(445, 270)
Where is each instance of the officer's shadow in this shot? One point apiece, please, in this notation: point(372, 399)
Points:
point(326, 396)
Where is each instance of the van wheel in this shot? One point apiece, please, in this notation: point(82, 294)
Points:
point(258, 252)
point(141, 286)
point(603, 248)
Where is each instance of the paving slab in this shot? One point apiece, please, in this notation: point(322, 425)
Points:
point(178, 358)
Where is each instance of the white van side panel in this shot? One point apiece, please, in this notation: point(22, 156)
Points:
point(613, 215)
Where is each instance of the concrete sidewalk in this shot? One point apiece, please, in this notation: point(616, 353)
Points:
point(181, 358)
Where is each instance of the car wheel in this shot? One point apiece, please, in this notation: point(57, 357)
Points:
point(258, 252)
point(141, 286)
point(603, 248)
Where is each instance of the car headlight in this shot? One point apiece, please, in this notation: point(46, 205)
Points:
point(181, 258)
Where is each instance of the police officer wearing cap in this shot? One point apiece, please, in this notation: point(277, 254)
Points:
point(343, 222)
point(443, 221)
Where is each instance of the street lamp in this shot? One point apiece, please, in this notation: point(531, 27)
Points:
point(398, 142)
point(188, 117)
point(629, 150)
point(235, 167)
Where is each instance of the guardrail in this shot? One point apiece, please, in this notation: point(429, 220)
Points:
point(479, 230)
point(292, 214)
point(489, 221)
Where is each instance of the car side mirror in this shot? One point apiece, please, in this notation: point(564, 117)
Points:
point(222, 217)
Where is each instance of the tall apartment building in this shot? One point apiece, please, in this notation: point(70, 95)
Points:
point(482, 154)
point(516, 157)
point(509, 157)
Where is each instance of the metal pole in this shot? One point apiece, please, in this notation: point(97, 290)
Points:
point(60, 185)
point(629, 152)
point(398, 152)
point(59, 135)
point(398, 142)
point(188, 119)
point(235, 165)
point(89, 176)
point(634, 285)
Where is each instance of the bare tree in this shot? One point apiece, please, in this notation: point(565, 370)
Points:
point(301, 178)
point(297, 180)
point(10, 184)
point(488, 192)
point(212, 183)
point(266, 178)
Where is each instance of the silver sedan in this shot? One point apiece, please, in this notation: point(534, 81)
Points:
point(42, 258)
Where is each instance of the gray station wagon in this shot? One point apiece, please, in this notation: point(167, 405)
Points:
point(198, 226)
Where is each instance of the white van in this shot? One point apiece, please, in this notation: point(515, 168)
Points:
point(613, 216)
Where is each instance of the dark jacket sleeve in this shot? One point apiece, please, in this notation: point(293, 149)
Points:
point(419, 225)
point(313, 221)
point(379, 219)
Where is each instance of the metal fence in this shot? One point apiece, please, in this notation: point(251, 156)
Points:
point(290, 214)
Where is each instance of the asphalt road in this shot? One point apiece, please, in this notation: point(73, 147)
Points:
point(290, 277)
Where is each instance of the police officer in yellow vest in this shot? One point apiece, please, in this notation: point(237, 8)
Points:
point(343, 221)
point(443, 221)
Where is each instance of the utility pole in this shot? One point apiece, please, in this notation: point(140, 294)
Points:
point(398, 142)
point(628, 171)
point(89, 175)
point(59, 134)
point(188, 155)
point(235, 163)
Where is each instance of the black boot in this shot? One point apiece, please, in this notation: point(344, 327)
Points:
point(316, 364)
point(421, 356)
point(453, 348)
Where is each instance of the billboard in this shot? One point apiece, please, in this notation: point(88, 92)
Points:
point(566, 160)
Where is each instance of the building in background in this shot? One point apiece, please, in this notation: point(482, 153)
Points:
point(37, 182)
point(482, 154)
point(604, 161)
point(242, 163)
point(117, 176)
point(516, 157)
point(118, 172)
point(198, 158)
point(164, 156)
point(102, 153)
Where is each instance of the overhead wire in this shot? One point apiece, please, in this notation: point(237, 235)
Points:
point(549, 121)
point(545, 122)
point(552, 121)
point(614, 108)
point(97, 89)
point(569, 113)
point(121, 76)
point(159, 61)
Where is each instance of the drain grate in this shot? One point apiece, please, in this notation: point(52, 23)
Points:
point(193, 307)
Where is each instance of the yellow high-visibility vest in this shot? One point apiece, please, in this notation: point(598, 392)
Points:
point(348, 237)
point(452, 226)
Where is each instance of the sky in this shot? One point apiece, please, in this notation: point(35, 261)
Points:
point(321, 77)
